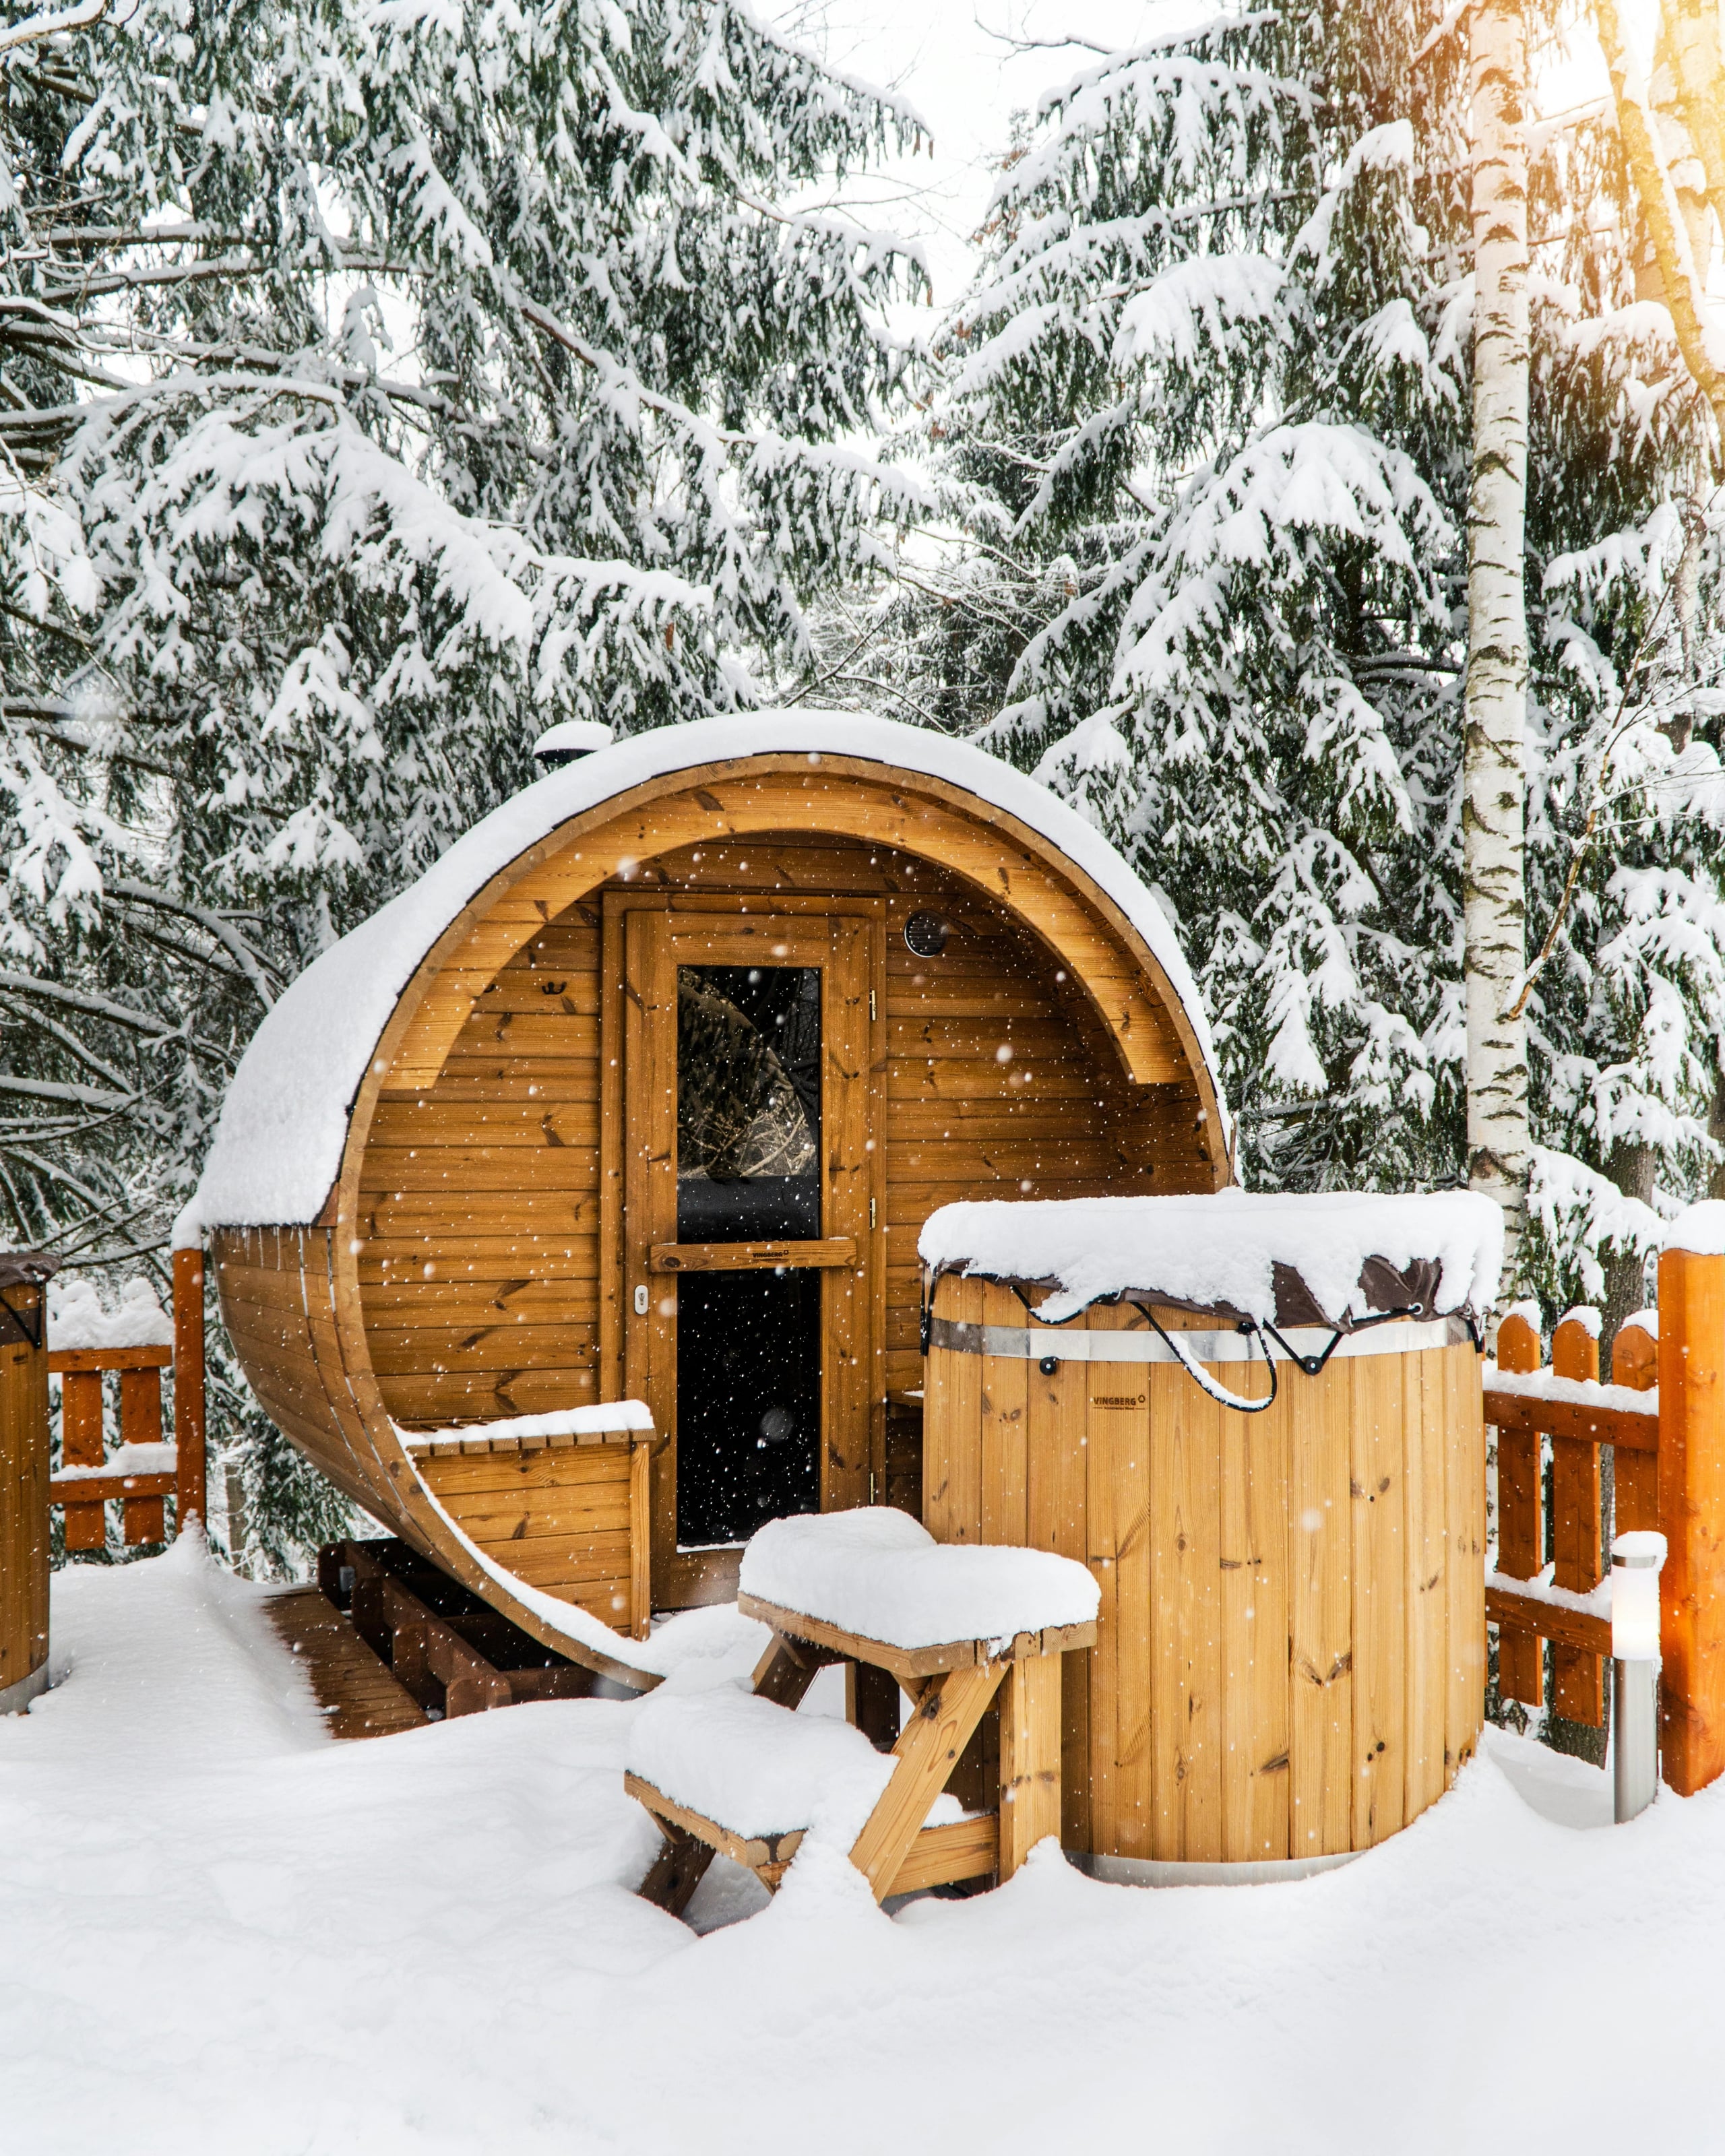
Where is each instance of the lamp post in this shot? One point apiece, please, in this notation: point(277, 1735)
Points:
point(1636, 1561)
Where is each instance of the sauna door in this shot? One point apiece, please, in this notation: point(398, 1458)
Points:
point(749, 1211)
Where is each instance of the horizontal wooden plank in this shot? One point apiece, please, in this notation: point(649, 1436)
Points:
point(932, 1660)
point(101, 1489)
point(1520, 1413)
point(482, 1259)
point(753, 1257)
point(431, 1400)
point(1569, 1628)
point(521, 1121)
point(430, 1349)
point(964, 1848)
point(399, 1304)
point(71, 1360)
point(977, 1078)
point(749, 1852)
point(578, 1468)
point(469, 1171)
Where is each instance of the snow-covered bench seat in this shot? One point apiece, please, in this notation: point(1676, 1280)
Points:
point(604, 1421)
point(752, 1778)
point(876, 1578)
point(956, 1627)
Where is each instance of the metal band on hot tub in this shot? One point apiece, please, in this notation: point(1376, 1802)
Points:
point(1034, 1344)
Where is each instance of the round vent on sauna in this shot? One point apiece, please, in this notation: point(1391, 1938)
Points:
point(926, 935)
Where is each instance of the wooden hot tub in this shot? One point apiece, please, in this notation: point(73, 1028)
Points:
point(1291, 1660)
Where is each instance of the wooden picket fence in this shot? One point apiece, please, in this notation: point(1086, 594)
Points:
point(1663, 1417)
point(89, 1480)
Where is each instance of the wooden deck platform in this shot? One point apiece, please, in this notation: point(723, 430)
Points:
point(359, 1696)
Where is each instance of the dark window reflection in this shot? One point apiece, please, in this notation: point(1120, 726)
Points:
point(748, 1103)
point(748, 1402)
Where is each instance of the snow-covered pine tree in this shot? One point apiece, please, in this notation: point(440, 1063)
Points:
point(1207, 426)
point(377, 385)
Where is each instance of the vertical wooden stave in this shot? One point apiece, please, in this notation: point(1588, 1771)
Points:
point(1691, 1507)
point(1004, 1496)
point(1321, 1616)
point(1377, 1504)
point(1578, 1678)
point(1056, 1520)
point(23, 1501)
point(1634, 1475)
point(1031, 1748)
point(191, 1494)
point(1255, 1824)
point(1423, 1445)
point(1521, 1541)
point(141, 1424)
point(1464, 1510)
point(1118, 1420)
point(86, 1526)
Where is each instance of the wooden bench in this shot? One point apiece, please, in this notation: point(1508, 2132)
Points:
point(952, 1684)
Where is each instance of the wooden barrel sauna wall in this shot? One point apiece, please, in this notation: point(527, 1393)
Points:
point(489, 1247)
point(1291, 1659)
point(24, 1479)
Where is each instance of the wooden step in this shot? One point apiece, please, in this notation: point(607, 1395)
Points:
point(360, 1696)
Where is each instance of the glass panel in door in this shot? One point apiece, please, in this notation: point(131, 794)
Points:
point(748, 1103)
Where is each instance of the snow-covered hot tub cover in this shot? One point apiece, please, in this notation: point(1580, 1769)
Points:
point(278, 1147)
point(1332, 1260)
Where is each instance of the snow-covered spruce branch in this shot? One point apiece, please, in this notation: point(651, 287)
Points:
point(83, 1097)
point(51, 22)
point(95, 1006)
point(247, 961)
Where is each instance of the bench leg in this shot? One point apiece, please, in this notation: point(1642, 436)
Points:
point(1030, 1759)
point(676, 1871)
point(926, 1753)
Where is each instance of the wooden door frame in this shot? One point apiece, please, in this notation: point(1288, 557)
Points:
point(846, 939)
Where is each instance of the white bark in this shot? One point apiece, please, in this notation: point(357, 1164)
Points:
point(1493, 810)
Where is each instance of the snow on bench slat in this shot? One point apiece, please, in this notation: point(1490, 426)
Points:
point(879, 1574)
point(1224, 1250)
point(1573, 1392)
point(609, 1419)
point(79, 1318)
point(278, 1147)
point(759, 1769)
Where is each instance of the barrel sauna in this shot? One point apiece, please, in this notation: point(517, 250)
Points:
point(23, 1477)
point(1290, 1660)
point(643, 1092)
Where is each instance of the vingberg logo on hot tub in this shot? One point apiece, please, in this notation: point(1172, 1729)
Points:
point(1117, 1400)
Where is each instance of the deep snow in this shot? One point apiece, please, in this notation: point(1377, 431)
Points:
point(219, 1931)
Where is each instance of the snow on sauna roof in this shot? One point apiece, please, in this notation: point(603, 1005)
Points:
point(1285, 1260)
point(278, 1147)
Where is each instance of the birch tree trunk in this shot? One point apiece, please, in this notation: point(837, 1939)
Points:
point(1683, 279)
point(1493, 777)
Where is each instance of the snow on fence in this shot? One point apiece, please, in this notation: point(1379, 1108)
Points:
point(1663, 1415)
point(137, 1342)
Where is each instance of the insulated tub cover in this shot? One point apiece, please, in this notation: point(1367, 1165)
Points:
point(1338, 1259)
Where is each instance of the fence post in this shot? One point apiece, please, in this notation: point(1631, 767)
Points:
point(1692, 1495)
point(189, 1496)
point(1521, 1551)
point(1578, 1688)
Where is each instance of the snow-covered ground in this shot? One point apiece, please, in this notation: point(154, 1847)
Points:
point(220, 1931)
